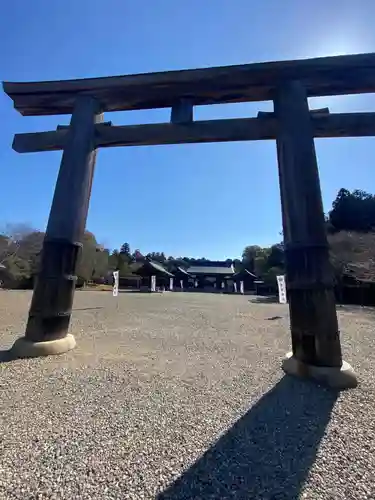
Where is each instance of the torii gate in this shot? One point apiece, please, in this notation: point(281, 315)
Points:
point(314, 329)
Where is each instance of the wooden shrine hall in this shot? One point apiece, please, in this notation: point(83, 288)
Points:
point(249, 279)
point(151, 268)
point(211, 275)
point(315, 338)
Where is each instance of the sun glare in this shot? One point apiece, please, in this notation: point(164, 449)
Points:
point(337, 45)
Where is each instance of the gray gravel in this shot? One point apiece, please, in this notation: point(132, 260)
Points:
point(181, 396)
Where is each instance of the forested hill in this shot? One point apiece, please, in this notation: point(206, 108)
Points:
point(350, 228)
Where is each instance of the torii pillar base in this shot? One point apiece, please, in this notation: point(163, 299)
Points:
point(24, 348)
point(338, 378)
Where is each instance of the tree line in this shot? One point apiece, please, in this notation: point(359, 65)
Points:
point(350, 228)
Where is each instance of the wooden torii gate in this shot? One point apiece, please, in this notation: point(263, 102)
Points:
point(316, 349)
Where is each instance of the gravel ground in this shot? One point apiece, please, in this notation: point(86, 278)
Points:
point(181, 396)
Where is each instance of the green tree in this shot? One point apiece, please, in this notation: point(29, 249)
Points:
point(353, 211)
point(117, 261)
point(261, 264)
point(269, 276)
point(101, 263)
point(276, 256)
point(20, 248)
point(4, 247)
point(87, 258)
point(238, 266)
point(249, 255)
point(157, 256)
point(113, 261)
point(30, 247)
point(125, 252)
point(267, 263)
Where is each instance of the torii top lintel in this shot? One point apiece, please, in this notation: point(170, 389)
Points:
point(338, 75)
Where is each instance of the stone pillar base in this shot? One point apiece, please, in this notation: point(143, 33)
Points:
point(23, 348)
point(336, 378)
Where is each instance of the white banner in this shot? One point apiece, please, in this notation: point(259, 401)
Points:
point(235, 287)
point(222, 284)
point(242, 290)
point(182, 284)
point(170, 283)
point(153, 283)
point(116, 277)
point(196, 284)
point(282, 288)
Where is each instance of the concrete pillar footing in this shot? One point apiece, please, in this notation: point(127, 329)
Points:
point(338, 378)
point(24, 348)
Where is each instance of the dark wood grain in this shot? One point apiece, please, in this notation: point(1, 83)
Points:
point(241, 129)
point(313, 319)
point(249, 82)
point(51, 305)
point(40, 141)
point(104, 124)
point(182, 111)
point(163, 133)
point(271, 114)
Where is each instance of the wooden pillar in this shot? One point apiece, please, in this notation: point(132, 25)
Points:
point(313, 319)
point(182, 112)
point(52, 301)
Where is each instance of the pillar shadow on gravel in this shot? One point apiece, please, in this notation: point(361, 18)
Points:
point(87, 309)
point(268, 452)
point(265, 300)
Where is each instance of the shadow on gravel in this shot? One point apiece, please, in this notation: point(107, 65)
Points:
point(265, 300)
point(268, 452)
point(87, 308)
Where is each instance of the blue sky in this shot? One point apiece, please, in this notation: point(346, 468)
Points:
point(199, 200)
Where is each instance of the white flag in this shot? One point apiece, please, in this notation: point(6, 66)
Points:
point(242, 288)
point(235, 287)
point(282, 288)
point(182, 284)
point(116, 277)
point(170, 283)
point(153, 283)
